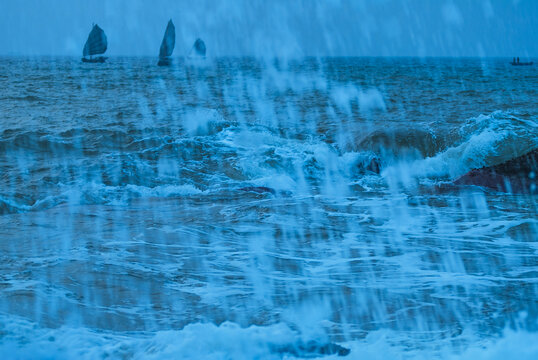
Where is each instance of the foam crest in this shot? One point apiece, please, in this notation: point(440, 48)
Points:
point(485, 141)
point(23, 339)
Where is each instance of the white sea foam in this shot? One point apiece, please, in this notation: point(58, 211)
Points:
point(201, 121)
point(486, 140)
point(368, 99)
point(23, 339)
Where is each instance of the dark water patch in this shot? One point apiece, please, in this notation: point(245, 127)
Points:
point(402, 143)
point(310, 349)
point(35, 141)
point(7, 207)
point(517, 175)
point(258, 189)
point(27, 98)
point(525, 231)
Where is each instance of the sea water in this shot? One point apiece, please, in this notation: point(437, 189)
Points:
point(224, 208)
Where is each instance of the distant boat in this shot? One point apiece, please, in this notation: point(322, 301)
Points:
point(167, 46)
point(95, 45)
point(516, 62)
point(199, 48)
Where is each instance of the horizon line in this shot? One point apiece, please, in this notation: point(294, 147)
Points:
point(283, 56)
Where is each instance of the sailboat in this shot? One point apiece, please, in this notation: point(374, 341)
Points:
point(95, 45)
point(199, 48)
point(167, 46)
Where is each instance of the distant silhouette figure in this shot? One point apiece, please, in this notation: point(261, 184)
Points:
point(514, 61)
point(518, 59)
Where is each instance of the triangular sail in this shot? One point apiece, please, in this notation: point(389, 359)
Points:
point(96, 43)
point(199, 47)
point(169, 40)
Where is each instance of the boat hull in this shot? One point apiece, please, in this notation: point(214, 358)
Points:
point(99, 59)
point(521, 64)
point(164, 62)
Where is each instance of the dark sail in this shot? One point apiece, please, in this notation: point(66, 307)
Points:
point(199, 47)
point(96, 43)
point(169, 40)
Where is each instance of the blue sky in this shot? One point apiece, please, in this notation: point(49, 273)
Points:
point(277, 27)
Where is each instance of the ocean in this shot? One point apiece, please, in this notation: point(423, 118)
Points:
point(236, 208)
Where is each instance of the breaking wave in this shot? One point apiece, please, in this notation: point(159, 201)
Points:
point(22, 339)
point(486, 140)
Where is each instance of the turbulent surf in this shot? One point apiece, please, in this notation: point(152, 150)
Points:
point(242, 208)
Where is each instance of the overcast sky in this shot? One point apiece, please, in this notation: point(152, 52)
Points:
point(276, 27)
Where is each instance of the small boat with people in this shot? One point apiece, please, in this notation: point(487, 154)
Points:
point(167, 45)
point(95, 45)
point(516, 62)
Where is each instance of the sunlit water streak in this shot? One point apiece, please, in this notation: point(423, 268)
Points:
point(126, 229)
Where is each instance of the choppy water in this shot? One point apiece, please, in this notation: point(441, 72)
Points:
point(126, 230)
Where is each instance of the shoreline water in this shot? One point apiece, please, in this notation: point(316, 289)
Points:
point(125, 230)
